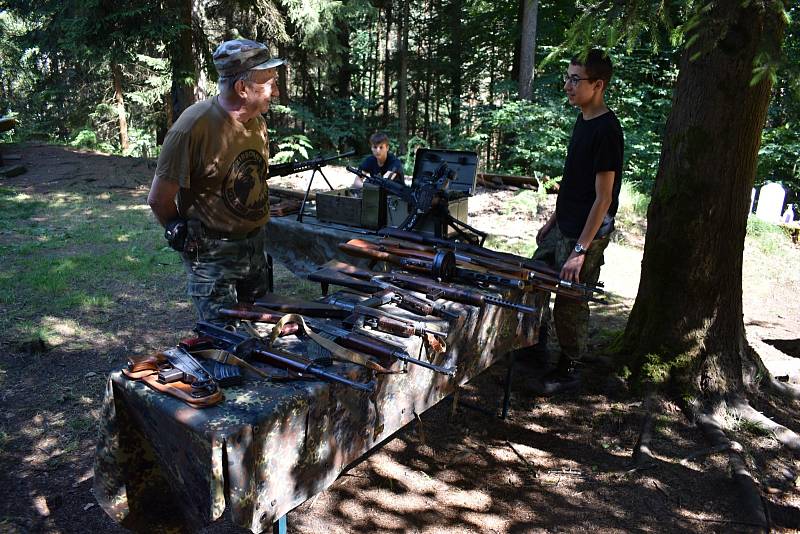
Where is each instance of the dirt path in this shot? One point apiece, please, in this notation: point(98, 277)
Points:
point(555, 465)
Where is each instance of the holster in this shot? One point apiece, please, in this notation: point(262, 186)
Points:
point(194, 237)
point(146, 369)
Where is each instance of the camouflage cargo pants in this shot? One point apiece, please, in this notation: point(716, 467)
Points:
point(224, 272)
point(570, 316)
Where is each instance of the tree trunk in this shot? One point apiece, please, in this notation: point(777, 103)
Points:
point(116, 72)
point(515, 59)
point(527, 58)
point(345, 73)
point(686, 324)
point(456, 76)
point(402, 82)
point(283, 77)
point(387, 70)
point(182, 59)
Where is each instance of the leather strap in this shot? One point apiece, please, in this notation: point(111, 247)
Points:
point(338, 352)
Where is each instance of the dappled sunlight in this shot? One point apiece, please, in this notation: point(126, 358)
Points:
point(40, 505)
point(132, 207)
point(65, 331)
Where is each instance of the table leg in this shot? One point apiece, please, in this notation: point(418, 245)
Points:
point(279, 526)
point(270, 275)
point(507, 397)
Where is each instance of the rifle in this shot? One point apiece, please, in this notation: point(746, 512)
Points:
point(242, 346)
point(388, 293)
point(384, 321)
point(432, 289)
point(482, 270)
point(293, 167)
point(442, 265)
point(531, 270)
point(362, 342)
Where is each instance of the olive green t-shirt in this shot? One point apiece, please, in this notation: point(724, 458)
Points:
point(221, 166)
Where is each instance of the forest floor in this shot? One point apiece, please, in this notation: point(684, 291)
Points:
point(556, 464)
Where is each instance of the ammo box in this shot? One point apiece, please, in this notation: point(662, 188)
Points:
point(365, 208)
point(463, 162)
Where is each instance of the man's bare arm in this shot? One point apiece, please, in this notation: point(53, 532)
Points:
point(162, 200)
point(604, 187)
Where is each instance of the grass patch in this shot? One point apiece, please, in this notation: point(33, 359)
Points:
point(769, 238)
point(81, 424)
point(524, 248)
point(68, 254)
point(525, 201)
point(632, 203)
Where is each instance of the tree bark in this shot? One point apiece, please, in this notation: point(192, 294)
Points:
point(345, 73)
point(402, 81)
point(116, 72)
point(527, 59)
point(686, 324)
point(387, 71)
point(456, 78)
point(182, 59)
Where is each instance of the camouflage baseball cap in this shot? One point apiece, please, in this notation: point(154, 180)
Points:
point(240, 55)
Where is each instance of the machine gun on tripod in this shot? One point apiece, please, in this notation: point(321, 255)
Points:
point(427, 199)
point(315, 164)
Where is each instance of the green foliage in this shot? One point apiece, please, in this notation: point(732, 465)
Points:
point(56, 56)
point(767, 237)
point(87, 138)
point(524, 201)
point(632, 203)
point(292, 148)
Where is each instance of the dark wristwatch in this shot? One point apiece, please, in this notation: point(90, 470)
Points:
point(579, 249)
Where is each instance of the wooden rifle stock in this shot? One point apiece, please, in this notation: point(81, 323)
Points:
point(432, 289)
point(240, 345)
point(344, 338)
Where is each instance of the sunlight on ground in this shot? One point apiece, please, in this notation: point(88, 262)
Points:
point(622, 270)
point(133, 207)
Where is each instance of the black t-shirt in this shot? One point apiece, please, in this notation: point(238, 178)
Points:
point(597, 145)
point(392, 163)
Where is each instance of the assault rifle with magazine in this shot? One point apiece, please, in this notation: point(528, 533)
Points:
point(536, 272)
point(362, 341)
point(245, 346)
point(336, 272)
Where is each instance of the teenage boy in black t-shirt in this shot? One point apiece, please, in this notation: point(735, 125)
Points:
point(576, 234)
point(381, 162)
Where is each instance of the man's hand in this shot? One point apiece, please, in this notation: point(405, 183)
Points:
point(571, 270)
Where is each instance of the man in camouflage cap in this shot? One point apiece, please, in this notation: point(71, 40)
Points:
point(210, 186)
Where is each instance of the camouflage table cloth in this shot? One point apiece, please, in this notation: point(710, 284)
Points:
point(303, 246)
point(269, 446)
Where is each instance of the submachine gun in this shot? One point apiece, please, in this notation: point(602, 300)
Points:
point(428, 198)
point(315, 164)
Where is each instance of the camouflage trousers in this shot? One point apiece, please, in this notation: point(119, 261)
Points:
point(222, 273)
point(570, 317)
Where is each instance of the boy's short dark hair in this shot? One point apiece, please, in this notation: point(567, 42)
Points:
point(597, 64)
point(377, 138)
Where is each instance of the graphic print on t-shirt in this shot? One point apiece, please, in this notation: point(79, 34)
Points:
point(244, 188)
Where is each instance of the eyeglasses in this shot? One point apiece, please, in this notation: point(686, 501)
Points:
point(574, 80)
